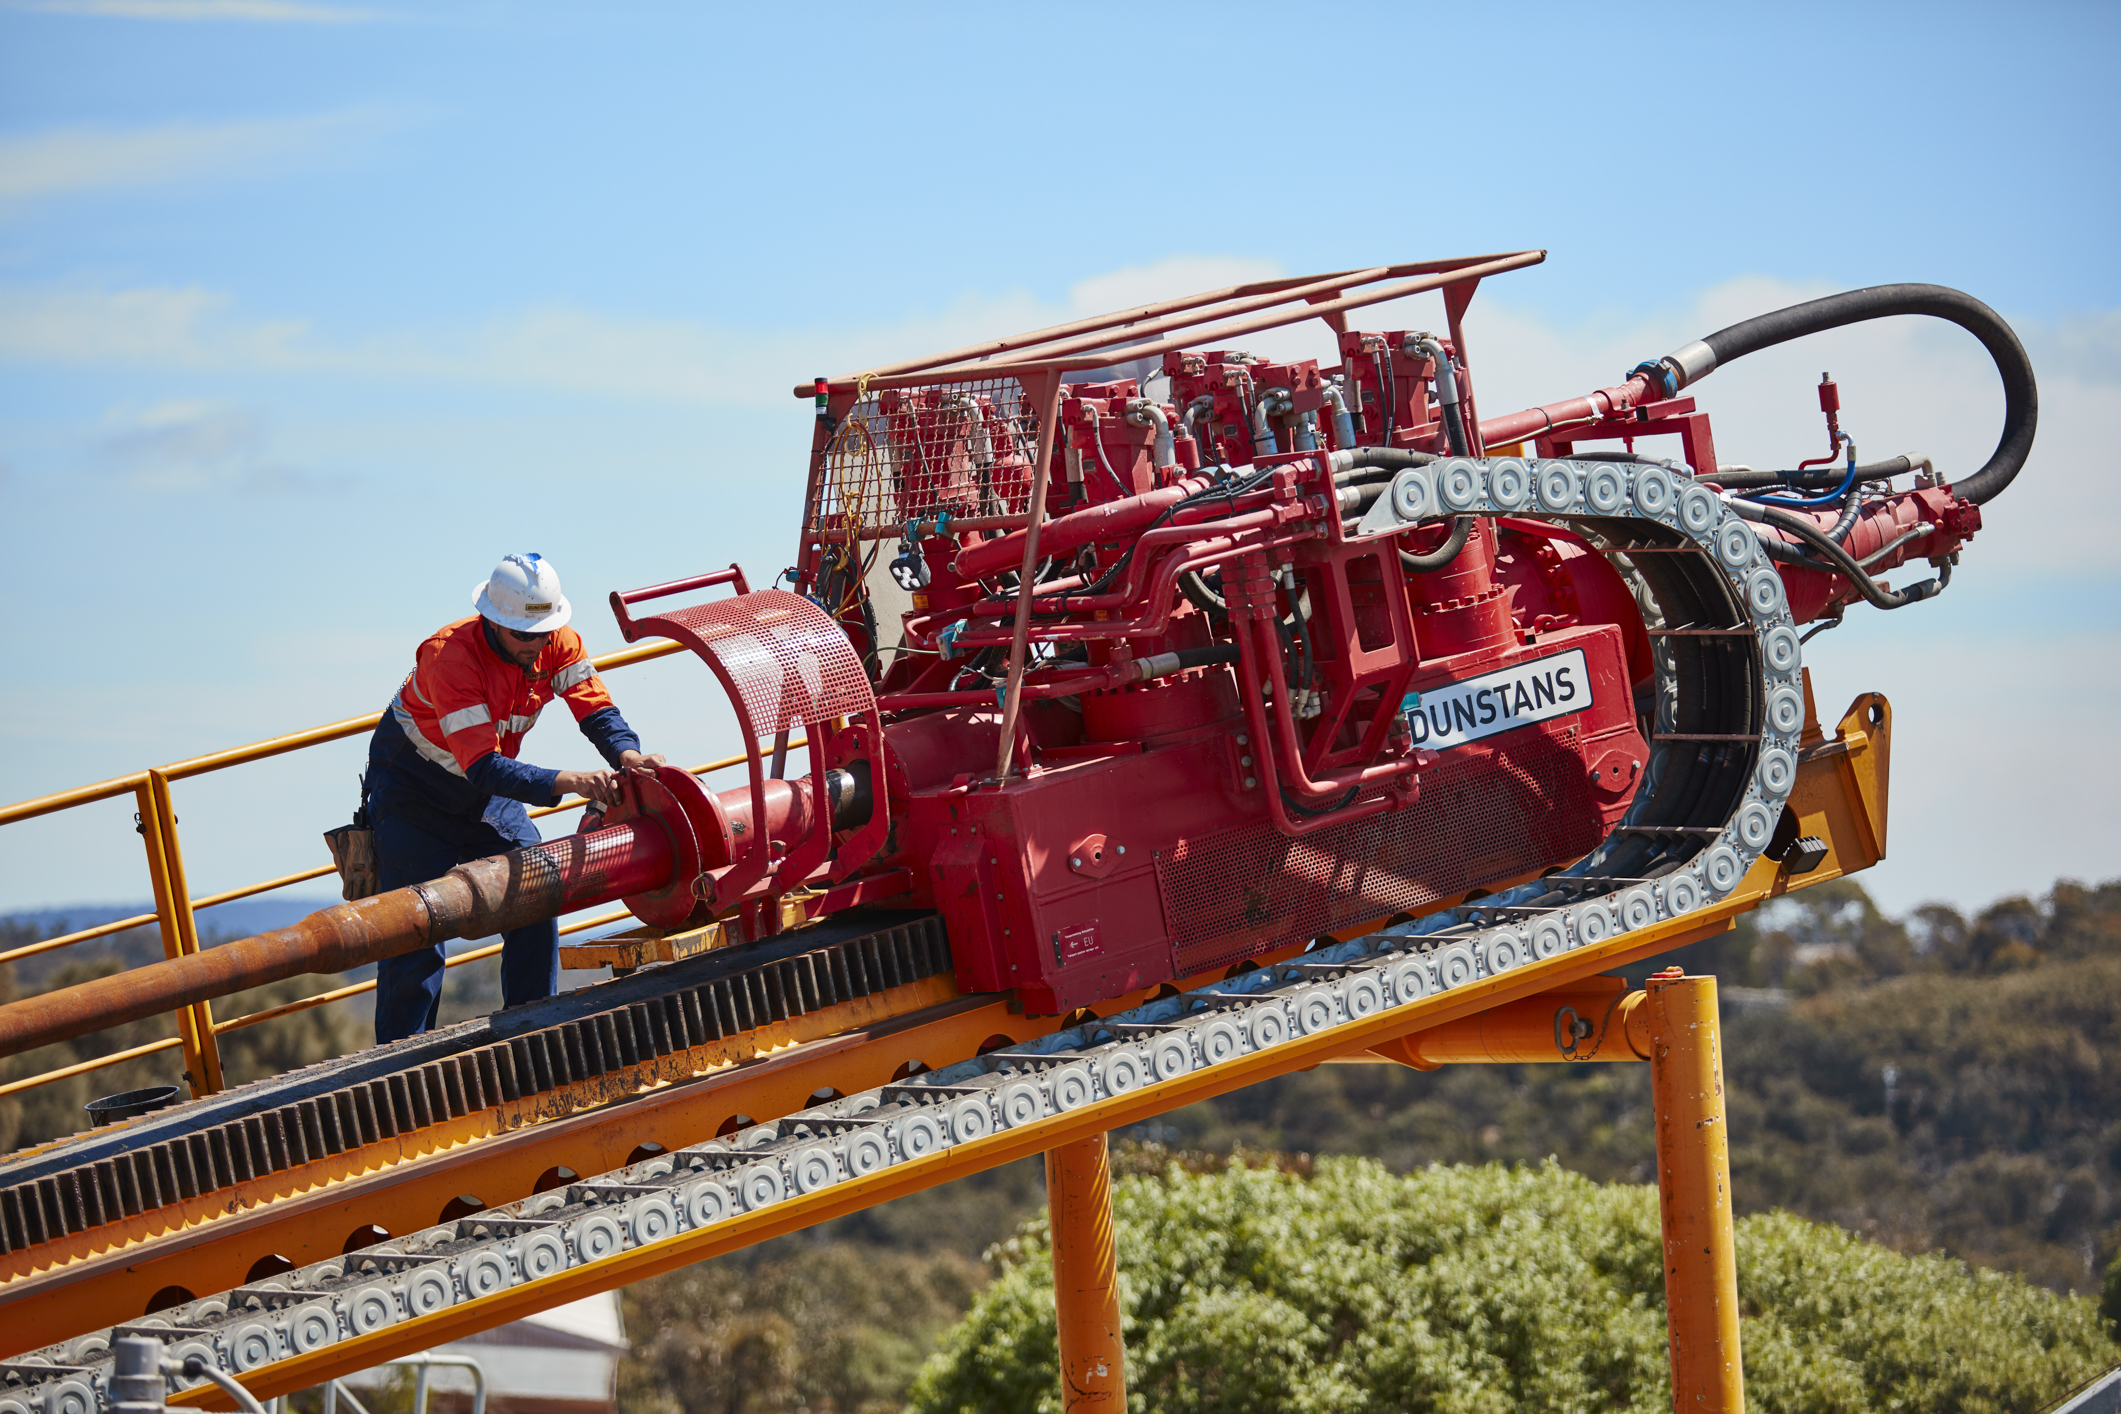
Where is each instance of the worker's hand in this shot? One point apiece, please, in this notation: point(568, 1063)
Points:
point(639, 761)
point(599, 786)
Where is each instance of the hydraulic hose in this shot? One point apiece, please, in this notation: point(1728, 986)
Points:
point(1392, 460)
point(1446, 392)
point(1840, 558)
point(2021, 396)
point(1384, 458)
point(1851, 508)
point(1744, 478)
point(1443, 554)
point(1343, 424)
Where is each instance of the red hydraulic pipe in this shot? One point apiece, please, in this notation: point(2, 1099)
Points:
point(1157, 604)
point(1263, 750)
point(1285, 726)
point(1270, 781)
point(1594, 407)
point(1114, 520)
point(1128, 592)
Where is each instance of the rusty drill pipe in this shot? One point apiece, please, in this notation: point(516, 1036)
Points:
point(474, 900)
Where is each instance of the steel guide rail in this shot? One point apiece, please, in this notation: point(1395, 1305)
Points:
point(673, 1197)
point(538, 1054)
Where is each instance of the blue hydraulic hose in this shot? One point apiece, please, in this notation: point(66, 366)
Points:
point(1833, 497)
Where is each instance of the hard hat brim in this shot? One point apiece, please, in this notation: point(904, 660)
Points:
point(521, 623)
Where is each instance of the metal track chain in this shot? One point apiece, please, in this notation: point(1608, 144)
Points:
point(202, 1158)
point(695, 1188)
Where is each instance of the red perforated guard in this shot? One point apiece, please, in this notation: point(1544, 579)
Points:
point(785, 664)
point(788, 662)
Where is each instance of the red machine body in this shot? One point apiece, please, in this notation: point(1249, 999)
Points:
point(1220, 719)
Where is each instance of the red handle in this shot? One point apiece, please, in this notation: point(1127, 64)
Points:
point(621, 598)
point(679, 586)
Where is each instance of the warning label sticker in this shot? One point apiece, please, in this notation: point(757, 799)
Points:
point(1459, 712)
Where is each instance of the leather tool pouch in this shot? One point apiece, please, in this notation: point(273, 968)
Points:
point(353, 852)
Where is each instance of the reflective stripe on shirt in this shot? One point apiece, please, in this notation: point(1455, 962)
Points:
point(573, 675)
point(475, 715)
point(519, 724)
point(440, 755)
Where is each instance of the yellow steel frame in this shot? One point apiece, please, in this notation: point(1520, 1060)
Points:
point(1840, 796)
point(107, 1275)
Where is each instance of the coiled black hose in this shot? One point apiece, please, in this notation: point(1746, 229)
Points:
point(2021, 396)
point(1436, 559)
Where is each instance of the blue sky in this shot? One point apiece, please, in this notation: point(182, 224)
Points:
point(308, 313)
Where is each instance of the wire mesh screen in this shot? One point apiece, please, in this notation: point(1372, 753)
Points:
point(903, 454)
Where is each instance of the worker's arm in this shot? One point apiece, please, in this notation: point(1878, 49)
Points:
point(598, 716)
point(500, 775)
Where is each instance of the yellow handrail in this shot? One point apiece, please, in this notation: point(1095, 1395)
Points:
point(174, 909)
point(85, 1066)
point(259, 750)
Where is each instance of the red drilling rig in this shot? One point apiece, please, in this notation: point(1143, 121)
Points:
point(1135, 656)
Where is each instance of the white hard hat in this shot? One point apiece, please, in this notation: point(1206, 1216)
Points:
point(523, 594)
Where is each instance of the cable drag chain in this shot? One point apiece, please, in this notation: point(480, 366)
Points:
point(1631, 882)
point(540, 1062)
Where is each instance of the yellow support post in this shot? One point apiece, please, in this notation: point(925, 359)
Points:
point(1086, 1275)
point(1694, 1195)
point(180, 931)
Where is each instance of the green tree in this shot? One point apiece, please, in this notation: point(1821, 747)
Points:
point(1490, 1289)
point(832, 1329)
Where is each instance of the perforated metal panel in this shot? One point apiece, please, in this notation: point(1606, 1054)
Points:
point(1483, 816)
point(791, 664)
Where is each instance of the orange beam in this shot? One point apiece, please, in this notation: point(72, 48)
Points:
point(1086, 1275)
point(1596, 1019)
point(1694, 1196)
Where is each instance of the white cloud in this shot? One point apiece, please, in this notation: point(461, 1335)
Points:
point(89, 159)
point(1166, 279)
point(188, 446)
point(251, 11)
point(556, 347)
point(1999, 782)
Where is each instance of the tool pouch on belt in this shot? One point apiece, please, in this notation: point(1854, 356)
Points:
point(353, 852)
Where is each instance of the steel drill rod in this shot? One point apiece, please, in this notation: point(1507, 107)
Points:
point(475, 900)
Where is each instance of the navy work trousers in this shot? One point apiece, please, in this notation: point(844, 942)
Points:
point(409, 986)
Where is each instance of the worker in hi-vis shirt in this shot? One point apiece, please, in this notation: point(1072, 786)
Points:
point(444, 787)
